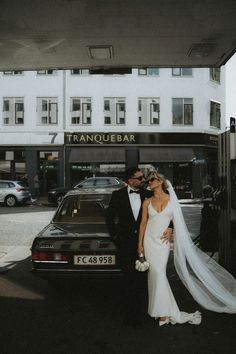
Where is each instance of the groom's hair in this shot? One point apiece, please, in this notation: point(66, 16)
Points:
point(130, 172)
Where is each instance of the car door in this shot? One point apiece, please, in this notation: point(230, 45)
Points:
point(3, 190)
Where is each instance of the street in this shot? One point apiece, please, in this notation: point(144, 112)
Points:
point(84, 317)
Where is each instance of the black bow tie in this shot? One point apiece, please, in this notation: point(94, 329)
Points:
point(132, 191)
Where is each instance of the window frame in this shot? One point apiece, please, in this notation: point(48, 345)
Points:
point(147, 115)
point(184, 104)
point(47, 72)
point(181, 72)
point(113, 113)
point(215, 75)
point(80, 119)
point(45, 104)
point(147, 71)
point(13, 72)
point(218, 123)
point(11, 118)
point(82, 72)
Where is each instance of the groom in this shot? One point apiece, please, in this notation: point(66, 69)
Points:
point(123, 218)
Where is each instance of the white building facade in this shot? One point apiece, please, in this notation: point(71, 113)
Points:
point(68, 125)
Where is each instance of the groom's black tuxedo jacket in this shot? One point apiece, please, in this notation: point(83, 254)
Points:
point(121, 223)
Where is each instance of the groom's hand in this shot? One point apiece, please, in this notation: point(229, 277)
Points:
point(167, 235)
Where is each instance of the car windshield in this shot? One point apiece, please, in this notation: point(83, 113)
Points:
point(83, 208)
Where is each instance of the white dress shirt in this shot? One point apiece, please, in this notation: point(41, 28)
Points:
point(135, 202)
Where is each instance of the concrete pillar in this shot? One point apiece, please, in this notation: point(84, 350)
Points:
point(31, 160)
point(132, 157)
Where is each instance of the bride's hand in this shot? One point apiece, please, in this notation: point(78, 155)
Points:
point(140, 249)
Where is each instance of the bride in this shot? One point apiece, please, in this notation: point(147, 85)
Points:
point(210, 285)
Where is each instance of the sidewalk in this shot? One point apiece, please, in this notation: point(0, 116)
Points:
point(9, 255)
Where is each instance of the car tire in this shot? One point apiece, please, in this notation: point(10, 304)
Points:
point(59, 198)
point(10, 201)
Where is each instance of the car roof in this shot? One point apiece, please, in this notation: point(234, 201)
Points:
point(9, 180)
point(92, 191)
point(98, 177)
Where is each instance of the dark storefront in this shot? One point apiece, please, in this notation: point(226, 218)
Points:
point(189, 160)
point(23, 163)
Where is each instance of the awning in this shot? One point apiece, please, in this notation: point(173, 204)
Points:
point(98, 154)
point(166, 154)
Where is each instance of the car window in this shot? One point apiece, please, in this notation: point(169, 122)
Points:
point(87, 183)
point(87, 208)
point(4, 185)
point(101, 182)
point(113, 181)
point(11, 185)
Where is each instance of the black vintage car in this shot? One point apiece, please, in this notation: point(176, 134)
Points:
point(76, 242)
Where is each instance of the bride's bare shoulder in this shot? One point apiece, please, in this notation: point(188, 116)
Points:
point(147, 201)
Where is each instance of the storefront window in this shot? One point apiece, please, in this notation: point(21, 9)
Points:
point(48, 170)
point(179, 175)
point(81, 171)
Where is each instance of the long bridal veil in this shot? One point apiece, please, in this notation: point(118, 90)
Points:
point(212, 286)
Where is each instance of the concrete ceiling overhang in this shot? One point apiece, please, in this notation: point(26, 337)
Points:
point(40, 34)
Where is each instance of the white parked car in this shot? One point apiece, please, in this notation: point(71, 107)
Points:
point(13, 192)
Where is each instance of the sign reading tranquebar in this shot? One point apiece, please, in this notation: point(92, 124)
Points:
point(100, 138)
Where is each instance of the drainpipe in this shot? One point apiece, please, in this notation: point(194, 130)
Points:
point(64, 122)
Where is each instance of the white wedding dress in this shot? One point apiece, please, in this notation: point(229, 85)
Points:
point(212, 286)
point(161, 300)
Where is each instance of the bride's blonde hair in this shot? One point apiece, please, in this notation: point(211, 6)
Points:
point(158, 175)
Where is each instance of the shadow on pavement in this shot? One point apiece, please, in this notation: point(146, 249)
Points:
point(84, 317)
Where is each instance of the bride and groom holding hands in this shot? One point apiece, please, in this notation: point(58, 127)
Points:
point(145, 220)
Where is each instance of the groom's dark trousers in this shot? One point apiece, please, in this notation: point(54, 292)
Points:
point(124, 230)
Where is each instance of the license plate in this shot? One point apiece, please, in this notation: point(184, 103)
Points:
point(95, 260)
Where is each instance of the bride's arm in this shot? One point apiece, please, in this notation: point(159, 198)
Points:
point(143, 225)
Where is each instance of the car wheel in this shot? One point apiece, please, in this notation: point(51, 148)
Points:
point(59, 198)
point(10, 201)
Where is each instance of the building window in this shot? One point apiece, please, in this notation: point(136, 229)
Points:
point(47, 108)
point(14, 72)
point(81, 110)
point(215, 114)
point(80, 72)
point(13, 111)
point(182, 71)
point(149, 71)
point(182, 111)
point(107, 120)
point(47, 72)
point(215, 74)
point(114, 110)
point(149, 111)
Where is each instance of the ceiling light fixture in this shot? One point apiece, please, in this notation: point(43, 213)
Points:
point(100, 52)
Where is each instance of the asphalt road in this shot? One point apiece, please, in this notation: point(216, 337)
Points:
point(84, 317)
